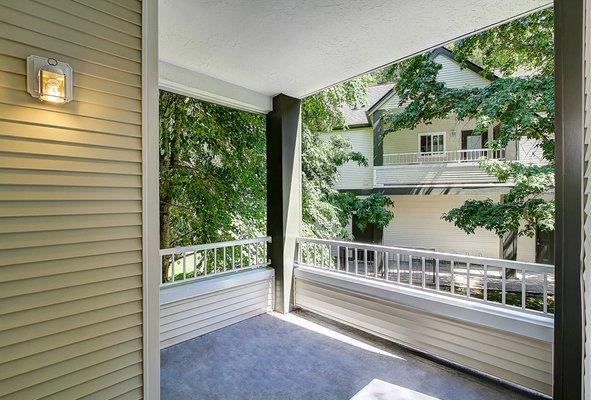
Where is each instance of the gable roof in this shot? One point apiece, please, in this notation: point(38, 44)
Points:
point(357, 116)
point(435, 53)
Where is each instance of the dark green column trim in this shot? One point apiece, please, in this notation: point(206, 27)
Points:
point(283, 192)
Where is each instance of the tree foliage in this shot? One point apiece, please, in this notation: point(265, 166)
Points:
point(326, 211)
point(519, 99)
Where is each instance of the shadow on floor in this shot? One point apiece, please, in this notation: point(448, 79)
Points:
point(292, 358)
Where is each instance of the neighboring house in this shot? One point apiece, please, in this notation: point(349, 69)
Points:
point(431, 169)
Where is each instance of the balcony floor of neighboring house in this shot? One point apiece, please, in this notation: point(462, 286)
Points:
point(302, 356)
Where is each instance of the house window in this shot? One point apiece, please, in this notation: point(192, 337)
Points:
point(432, 143)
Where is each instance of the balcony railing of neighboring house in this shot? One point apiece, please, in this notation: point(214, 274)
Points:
point(194, 262)
point(520, 286)
point(454, 156)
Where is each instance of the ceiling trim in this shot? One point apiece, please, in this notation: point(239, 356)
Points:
point(203, 87)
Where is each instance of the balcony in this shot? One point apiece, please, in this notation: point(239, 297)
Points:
point(448, 168)
point(482, 315)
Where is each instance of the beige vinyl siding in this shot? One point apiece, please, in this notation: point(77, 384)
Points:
point(515, 358)
point(188, 310)
point(407, 141)
point(456, 77)
point(417, 223)
point(353, 175)
point(71, 203)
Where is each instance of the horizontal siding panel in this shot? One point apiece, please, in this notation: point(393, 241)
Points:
point(71, 203)
point(71, 293)
point(259, 299)
point(241, 296)
point(67, 136)
point(67, 178)
point(54, 363)
point(24, 256)
point(417, 223)
point(525, 365)
point(74, 151)
point(133, 5)
point(22, 51)
point(57, 163)
point(214, 324)
point(503, 347)
point(75, 107)
point(40, 208)
point(114, 9)
point(9, 112)
point(84, 25)
point(127, 390)
point(68, 386)
point(174, 311)
point(37, 23)
point(104, 19)
point(126, 328)
point(52, 223)
point(65, 367)
point(59, 318)
point(13, 81)
point(64, 266)
point(60, 47)
point(52, 238)
point(131, 374)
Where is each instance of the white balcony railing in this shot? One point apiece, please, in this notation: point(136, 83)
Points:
point(199, 261)
point(455, 156)
point(528, 287)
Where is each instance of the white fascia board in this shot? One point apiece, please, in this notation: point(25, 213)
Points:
point(504, 319)
point(194, 84)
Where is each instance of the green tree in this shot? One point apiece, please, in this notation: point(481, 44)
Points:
point(519, 99)
point(326, 211)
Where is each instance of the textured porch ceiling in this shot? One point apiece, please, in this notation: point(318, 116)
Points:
point(299, 47)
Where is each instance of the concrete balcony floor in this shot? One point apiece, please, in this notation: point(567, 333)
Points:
point(302, 356)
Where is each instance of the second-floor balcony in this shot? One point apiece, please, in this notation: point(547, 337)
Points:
point(453, 156)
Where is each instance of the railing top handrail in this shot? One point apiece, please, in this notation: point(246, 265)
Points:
point(441, 152)
point(208, 246)
point(510, 264)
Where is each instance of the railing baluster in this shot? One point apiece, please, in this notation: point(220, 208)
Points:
point(356, 268)
point(224, 262)
point(523, 296)
point(453, 277)
point(215, 260)
point(398, 267)
point(503, 285)
point(423, 272)
point(437, 274)
point(346, 259)
point(233, 257)
point(375, 264)
point(365, 262)
point(485, 282)
point(468, 279)
point(172, 267)
point(338, 258)
point(386, 266)
point(205, 261)
point(410, 269)
point(545, 290)
point(184, 266)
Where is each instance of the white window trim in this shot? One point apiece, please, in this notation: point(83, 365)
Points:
point(444, 134)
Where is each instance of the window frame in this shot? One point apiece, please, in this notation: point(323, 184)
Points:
point(432, 134)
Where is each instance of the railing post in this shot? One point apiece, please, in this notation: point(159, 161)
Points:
point(284, 174)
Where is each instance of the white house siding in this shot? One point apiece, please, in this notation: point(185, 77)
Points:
point(353, 175)
point(417, 223)
point(71, 204)
point(455, 77)
point(188, 310)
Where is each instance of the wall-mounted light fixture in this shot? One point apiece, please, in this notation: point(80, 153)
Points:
point(49, 80)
